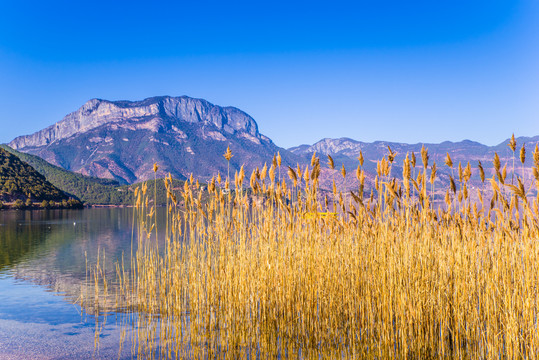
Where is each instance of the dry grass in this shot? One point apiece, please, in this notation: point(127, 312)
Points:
point(283, 272)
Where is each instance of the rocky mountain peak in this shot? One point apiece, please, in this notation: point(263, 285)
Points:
point(328, 146)
point(121, 140)
point(161, 112)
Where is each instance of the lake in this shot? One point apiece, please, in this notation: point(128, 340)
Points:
point(43, 257)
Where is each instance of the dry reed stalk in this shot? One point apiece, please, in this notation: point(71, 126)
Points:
point(392, 278)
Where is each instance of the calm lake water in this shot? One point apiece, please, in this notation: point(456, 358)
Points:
point(42, 268)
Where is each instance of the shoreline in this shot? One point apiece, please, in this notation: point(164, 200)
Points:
point(11, 206)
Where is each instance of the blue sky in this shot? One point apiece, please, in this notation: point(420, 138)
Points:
point(417, 71)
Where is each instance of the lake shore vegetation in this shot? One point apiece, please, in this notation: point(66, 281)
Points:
point(291, 271)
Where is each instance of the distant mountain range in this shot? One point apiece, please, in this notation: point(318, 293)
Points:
point(121, 140)
point(346, 151)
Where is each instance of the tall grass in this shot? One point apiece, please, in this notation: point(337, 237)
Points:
point(286, 272)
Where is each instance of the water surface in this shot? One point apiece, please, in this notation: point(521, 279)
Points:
point(43, 257)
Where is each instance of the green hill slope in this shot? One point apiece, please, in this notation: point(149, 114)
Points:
point(20, 181)
point(90, 190)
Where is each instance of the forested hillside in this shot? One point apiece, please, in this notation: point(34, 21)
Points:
point(90, 190)
point(20, 181)
point(86, 188)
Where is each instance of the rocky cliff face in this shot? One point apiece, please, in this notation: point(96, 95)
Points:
point(156, 114)
point(122, 139)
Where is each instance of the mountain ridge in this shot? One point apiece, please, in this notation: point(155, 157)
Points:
point(97, 112)
point(345, 152)
point(377, 149)
point(122, 140)
point(319, 145)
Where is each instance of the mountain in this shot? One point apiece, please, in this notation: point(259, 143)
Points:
point(121, 140)
point(348, 150)
point(20, 181)
point(345, 152)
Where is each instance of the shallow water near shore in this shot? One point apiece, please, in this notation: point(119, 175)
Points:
point(43, 256)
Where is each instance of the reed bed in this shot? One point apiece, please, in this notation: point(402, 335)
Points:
point(287, 270)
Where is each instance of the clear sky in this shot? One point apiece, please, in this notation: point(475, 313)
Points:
point(407, 71)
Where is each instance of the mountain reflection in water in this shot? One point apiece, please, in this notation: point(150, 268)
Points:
point(43, 257)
